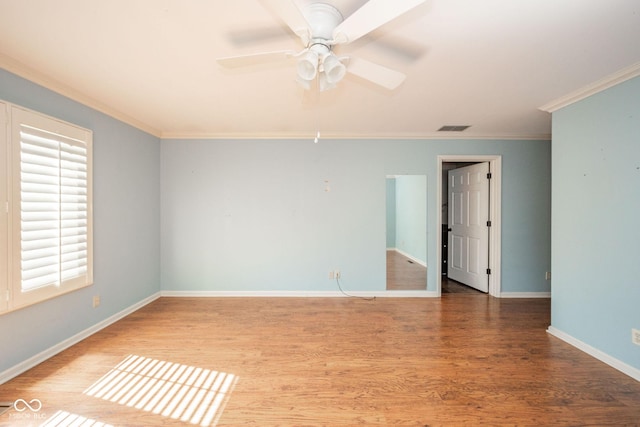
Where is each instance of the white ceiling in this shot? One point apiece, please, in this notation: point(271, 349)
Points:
point(490, 64)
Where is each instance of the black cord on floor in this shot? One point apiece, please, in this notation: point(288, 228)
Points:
point(352, 296)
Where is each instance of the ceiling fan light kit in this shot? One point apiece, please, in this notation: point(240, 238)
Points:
point(308, 65)
point(327, 68)
point(318, 60)
point(320, 27)
point(333, 68)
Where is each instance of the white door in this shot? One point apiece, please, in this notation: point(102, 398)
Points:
point(468, 252)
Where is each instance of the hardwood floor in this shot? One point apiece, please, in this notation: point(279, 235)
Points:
point(404, 274)
point(457, 360)
point(452, 287)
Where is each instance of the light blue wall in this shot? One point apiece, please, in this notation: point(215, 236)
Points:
point(258, 215)
point(126, 227)
point(254, 215)
point(391, 213)
point(411, 216)
point(596, 206)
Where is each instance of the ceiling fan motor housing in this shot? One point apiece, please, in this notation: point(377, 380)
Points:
point(323, 19)
point(321, 26)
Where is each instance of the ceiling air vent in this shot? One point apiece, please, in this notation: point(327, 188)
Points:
point(453, 128)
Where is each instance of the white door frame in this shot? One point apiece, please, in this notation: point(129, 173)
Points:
point(495, 190)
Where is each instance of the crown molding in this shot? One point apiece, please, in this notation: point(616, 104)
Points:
point(333, 136)
point(593, 88)
point(41, 79)
point(46, 81)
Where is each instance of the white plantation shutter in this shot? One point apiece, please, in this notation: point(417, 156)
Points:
point(73, 185)
point(52, 200)
point(39, 210)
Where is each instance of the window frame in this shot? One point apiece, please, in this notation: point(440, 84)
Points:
point(18, 118)
point(4, 209)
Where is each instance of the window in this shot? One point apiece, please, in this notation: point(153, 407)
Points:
point(49, 218)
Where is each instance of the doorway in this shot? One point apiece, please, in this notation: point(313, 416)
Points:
point(495, 165)
point(468, 225)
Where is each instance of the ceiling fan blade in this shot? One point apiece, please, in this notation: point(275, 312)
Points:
point(375, 73)
point(255, 58)
point(391, 45)
point(261, 35)
point(290, 14)
point(370, 16)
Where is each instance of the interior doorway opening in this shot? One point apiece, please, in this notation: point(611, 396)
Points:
point(446, 163)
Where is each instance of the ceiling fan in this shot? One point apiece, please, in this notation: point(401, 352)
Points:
point(320, 26)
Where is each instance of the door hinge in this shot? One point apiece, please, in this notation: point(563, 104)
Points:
point(489, 223)
point(488, 271)
point(488, 175)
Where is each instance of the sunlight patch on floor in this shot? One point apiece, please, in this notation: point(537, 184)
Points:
point(67, 419)
point(181, 392)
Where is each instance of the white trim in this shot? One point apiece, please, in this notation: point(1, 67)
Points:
point(5, 171)
point(409, 136)
point(300, 294)
point(598, 354)
point(63, 345)
point(47, 82)
point(39, 78)
point(593, 88)
point(37, 123)
point(495, 207)
point(525, 295)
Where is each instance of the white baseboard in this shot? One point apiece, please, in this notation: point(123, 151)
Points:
point(525, 294)
point(600, 355)
point(301, 294)
point(63, 345)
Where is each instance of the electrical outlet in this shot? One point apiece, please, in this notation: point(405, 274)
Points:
point(337, 274)
point(635, 336)
point(96, 301)
point(547, 275)
point(331, 275)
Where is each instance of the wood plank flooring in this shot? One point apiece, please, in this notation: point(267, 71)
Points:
point(404, 274)
point(452, 287)
point(458, 360)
